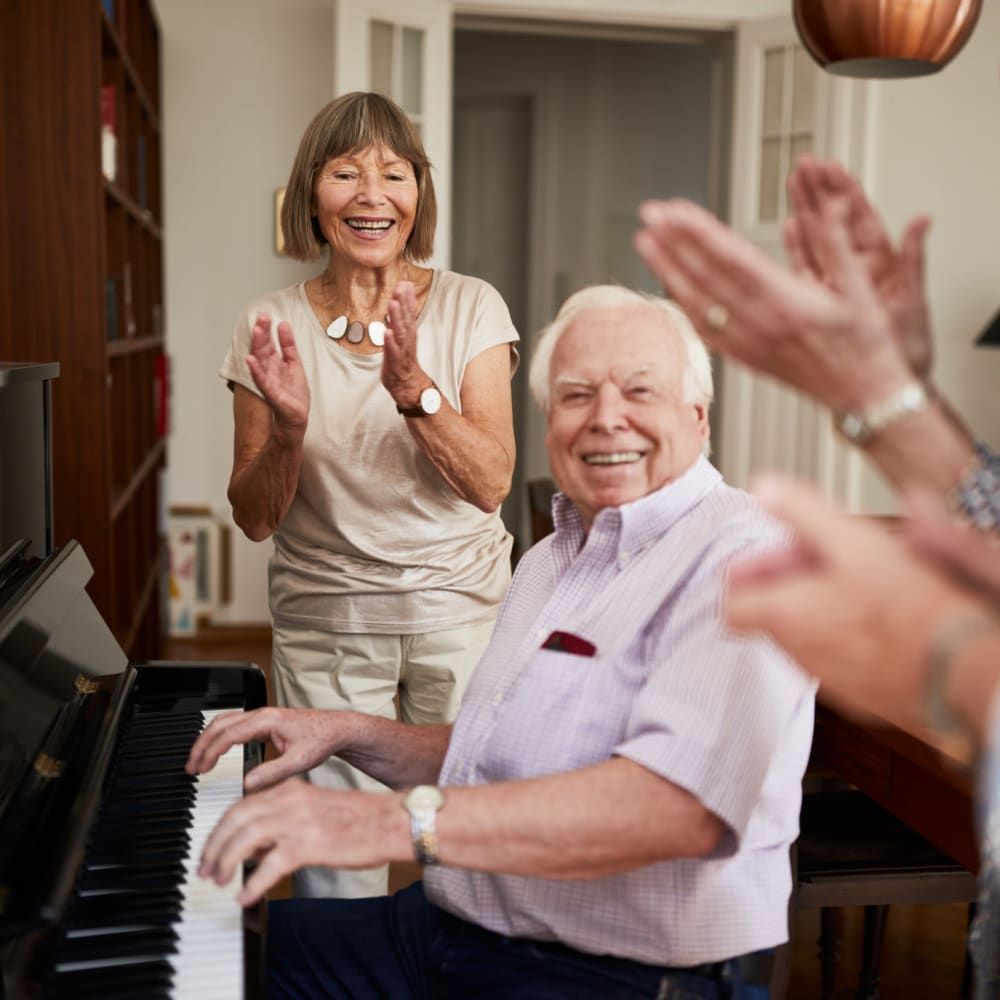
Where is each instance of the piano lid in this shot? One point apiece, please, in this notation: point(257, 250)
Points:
point(52, 642)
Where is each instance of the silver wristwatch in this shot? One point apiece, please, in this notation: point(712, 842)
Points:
point(423, 803)
point(860, 428)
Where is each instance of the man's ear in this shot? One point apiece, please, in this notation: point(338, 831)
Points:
point(701, 416)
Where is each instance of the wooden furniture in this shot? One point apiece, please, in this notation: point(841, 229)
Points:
point(81, 262)
point(910, 778)
point(898, 829)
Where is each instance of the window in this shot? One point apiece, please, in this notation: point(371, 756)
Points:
point(396, 60)
point(788, 114)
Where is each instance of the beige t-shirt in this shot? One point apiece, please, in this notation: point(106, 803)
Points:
point(375, 539)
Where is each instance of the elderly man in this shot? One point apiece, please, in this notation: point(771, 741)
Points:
point(610, 814)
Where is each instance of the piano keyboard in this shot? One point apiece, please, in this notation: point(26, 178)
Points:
point(141, 924)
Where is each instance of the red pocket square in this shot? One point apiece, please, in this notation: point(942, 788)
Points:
point(566, 642)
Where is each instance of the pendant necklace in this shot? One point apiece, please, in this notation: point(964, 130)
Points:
point(355, 331)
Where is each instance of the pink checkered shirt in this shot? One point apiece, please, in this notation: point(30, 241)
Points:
point(727, 717)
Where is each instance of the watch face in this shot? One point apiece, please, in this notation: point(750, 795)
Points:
point(425, 797)
point(430, 400)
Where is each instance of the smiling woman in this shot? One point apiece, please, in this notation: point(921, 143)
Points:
point(373, 442)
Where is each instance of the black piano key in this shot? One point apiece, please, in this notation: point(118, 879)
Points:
point(101, 949)
point(158, 877)
point(140, 980)
point(104, 911)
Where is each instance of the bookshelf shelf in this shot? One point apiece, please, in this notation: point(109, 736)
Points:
point(81, 280)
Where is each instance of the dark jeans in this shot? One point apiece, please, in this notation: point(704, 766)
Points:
point(401, 946)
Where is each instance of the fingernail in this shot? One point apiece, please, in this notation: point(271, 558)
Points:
point(652, 212)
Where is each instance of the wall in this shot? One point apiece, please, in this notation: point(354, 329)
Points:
point(240, 79)
point(934, 146)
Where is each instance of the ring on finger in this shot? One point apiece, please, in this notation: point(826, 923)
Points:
point(717, 316)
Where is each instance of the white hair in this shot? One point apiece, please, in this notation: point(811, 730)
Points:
point(698, 386)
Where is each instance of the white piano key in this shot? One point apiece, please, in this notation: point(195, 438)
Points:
point(208, 963)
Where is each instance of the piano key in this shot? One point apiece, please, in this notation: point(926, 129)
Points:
point(139, 901)
point(209, 958)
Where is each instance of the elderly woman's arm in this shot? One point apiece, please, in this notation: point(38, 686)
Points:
point(473, 449)
point(268, 432)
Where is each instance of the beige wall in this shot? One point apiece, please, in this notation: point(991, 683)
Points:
point(240, 78)
point(934, 145)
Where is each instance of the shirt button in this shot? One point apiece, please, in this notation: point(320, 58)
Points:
point(497, 698)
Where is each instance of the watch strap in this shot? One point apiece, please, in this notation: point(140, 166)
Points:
point(418, 410)
point(860, 427)
point(423, 803)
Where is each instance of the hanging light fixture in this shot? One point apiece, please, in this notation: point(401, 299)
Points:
point(885, 39)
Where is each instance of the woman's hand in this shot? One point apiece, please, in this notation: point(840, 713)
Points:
point(897, 275)
point(401, 372)
point(471, 440)
point(854, 604)
point(832, 340)
point(277, 371)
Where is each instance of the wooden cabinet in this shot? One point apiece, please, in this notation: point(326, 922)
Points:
point(81, 279)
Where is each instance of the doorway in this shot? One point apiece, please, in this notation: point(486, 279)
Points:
point(560, 132)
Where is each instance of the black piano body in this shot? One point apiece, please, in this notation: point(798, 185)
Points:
point(72, 709)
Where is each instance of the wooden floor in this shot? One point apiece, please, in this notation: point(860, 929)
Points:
point(924, 945)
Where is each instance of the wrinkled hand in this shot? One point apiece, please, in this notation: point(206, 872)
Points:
point(896, 274)
point(969, 556)
point(303, 738)
point(297, 824)
point(277, 371)
point(849, 601)
point(401, 371)
point(831, 341)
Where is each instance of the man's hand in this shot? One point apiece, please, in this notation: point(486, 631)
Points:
point(303, 738)
point(297, 824)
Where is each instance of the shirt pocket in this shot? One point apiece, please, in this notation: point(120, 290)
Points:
point(564, 711)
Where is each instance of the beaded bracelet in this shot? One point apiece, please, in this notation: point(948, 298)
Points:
point(977, 495)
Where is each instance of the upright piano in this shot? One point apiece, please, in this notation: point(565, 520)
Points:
point(100, 828)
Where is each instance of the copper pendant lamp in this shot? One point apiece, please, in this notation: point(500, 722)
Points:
point(885, 39)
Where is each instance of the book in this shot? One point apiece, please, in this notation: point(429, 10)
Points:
point(128, 309)
point(109, 131)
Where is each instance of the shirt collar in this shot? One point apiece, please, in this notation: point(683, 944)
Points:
point(640, 522)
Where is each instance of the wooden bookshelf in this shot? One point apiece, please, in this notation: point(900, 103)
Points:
point(81, 279)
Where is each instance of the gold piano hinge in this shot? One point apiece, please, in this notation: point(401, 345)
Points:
point(85, 685)
point(48, 767)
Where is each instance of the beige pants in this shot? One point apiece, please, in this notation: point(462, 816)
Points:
point(338, 670)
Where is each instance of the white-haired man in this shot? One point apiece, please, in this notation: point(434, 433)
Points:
point(610, 814)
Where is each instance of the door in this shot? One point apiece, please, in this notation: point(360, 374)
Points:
point(403, 49)
point(784, 106)
point(491, 238)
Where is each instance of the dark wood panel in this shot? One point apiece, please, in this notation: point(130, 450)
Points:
point(913, 780)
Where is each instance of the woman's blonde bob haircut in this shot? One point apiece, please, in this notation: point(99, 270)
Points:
point(350, 124)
